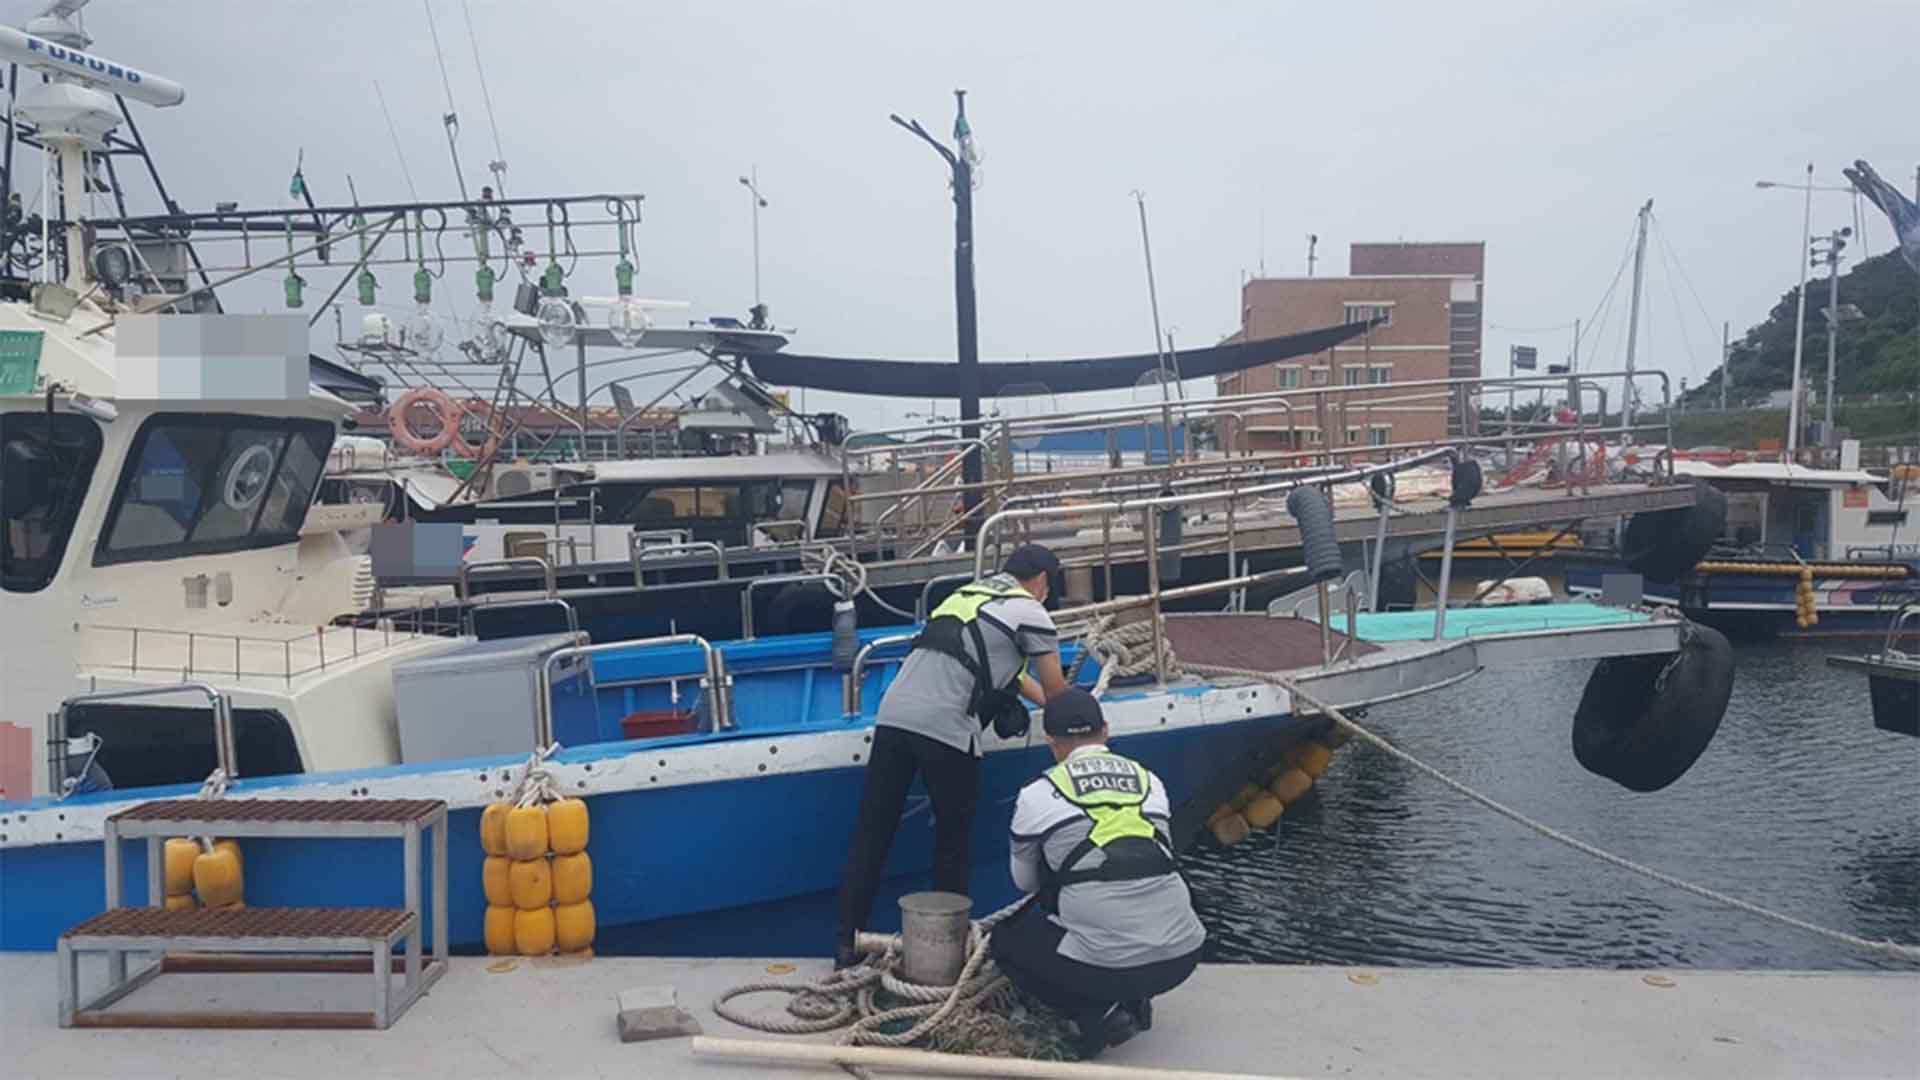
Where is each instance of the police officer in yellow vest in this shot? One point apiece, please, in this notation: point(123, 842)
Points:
point(988, 645)
point(1110, 925)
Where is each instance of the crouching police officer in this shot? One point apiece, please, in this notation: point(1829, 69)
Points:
point(987, 646)
point(1110, 925)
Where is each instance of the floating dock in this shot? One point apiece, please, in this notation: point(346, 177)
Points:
point(555, 1018)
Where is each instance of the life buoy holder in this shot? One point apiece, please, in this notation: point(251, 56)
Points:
point(484, 410)
point(399, 420)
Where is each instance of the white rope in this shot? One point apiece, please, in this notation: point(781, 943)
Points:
point(1909, 953)
point(537, 784)
point(849, 998)
point(847, 577)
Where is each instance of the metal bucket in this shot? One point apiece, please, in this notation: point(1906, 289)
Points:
point(933, 937)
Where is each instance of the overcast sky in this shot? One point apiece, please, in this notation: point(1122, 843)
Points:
point(1534, 129)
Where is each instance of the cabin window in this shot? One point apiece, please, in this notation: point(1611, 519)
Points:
point(205, 484)
point(833, 514)
point(144, 745)
point(46, 463)
point(1886, 517)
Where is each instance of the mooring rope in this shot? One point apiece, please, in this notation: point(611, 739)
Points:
point(1897, 950)
point(850, 998)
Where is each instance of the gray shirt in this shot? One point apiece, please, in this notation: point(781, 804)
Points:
point(929, 696)
point(1111, 924)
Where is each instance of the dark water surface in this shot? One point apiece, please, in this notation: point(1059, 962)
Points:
point(1800, 805)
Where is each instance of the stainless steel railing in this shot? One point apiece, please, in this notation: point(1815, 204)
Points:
point(225, 756)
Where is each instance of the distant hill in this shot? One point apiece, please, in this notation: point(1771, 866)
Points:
point(1877, 354)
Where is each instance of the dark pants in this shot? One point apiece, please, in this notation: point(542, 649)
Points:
point(952, 779)
point(1027, 948)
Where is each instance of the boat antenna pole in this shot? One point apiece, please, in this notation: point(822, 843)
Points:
point(961, 164)
point(1159, 339)
point(1633, 316)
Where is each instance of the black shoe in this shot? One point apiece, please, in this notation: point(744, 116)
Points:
point(1142, 1010)
point(1112, 1029)
point(845, 956)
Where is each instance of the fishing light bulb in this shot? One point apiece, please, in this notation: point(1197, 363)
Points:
point(422, 333)
point(627, 321)
point(489, 335)
point(557, 324)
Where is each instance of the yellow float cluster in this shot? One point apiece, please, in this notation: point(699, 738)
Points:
point(1260, 806)
point(1804, 614)
point(537, 879)
point(200, 873)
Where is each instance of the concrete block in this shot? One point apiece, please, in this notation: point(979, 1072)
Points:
point(653, 1012)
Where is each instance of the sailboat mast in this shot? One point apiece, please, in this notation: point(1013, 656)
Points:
point(1633, 311)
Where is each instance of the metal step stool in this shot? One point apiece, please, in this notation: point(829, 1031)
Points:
point(262, 939)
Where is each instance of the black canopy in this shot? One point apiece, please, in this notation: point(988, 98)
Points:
point(921, 379)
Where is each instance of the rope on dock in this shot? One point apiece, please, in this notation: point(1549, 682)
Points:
point(938, 1014)
point(1894, 949)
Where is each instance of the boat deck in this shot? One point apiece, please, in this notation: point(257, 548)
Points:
point(556, 1018)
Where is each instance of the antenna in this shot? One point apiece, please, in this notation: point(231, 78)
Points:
point(74, 110)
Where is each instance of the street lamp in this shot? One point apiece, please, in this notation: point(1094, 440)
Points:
point(960, 162)
point(752, 183)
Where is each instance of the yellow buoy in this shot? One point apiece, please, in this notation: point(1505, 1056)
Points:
point(216, 878)
point(231, 905)
point(573, 926)
point(533, 931)
point(1245, 795)
point(526, 832)
point(1291, 785)
point(493, 881)
point(1230, 830)
point(567, 826)
point(178, 876)
point(531, 883)
point(233, 846)
point(493, 828)
point(1312, 758)
point(572, 877)
point(1264, 810)
point(183, 902)
point(499, 931)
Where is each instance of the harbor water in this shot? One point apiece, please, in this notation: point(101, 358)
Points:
point(1800, 805)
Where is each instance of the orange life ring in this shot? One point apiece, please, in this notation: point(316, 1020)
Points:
point(402, 427)
point(483, 409)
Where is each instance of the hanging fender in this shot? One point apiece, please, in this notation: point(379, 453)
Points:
point(1644, 720)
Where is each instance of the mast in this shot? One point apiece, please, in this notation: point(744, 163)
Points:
point(1633, 313)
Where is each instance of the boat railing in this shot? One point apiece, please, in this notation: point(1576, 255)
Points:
point(220, 655)
point(746, 594)
point(716, 684)
point(1335, 410)
point(224, 750)
point(1897, 629)
point(642, 546)
point(851, 685)
point(464, 577)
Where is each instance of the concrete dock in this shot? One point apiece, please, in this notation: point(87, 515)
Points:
point(555, 1018)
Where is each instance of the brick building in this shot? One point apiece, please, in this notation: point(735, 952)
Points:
point(1429, 296)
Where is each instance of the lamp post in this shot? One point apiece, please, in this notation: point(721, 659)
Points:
point(960, 163)
point(1800, 315)
point(752, 183)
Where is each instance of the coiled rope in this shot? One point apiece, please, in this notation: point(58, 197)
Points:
point(847, 577)
point(1894, 949)
point(850, 998)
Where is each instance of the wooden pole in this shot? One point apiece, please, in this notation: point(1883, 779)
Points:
point(935, 1064)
